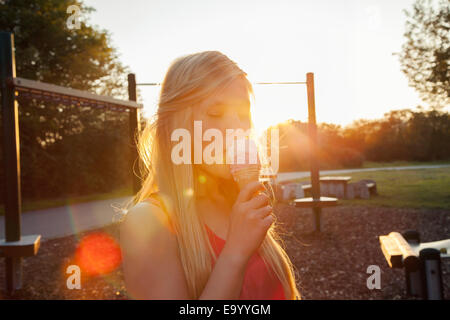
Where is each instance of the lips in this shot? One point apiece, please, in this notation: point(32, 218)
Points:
point(244, 158)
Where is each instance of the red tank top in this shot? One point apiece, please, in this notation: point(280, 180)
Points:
point(258, 283)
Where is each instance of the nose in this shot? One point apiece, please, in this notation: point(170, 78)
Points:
point(236, 122)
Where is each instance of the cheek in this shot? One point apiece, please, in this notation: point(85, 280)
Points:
point(214, 124)
point(217, 170)
point(218, 124)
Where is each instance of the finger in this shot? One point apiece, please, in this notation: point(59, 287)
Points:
point(248, 191)
point(263, 212)
point(267, 221)
point(258, 201)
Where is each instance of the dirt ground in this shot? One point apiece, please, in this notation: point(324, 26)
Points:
point(330, 265)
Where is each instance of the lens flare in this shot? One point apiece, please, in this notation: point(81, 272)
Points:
point(202, 179)
point(98, 254)
point(188, 192)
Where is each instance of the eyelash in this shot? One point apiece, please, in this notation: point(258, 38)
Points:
point(215, 115)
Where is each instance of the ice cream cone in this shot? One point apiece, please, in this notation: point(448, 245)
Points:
point(248, 171)
point(245, 175)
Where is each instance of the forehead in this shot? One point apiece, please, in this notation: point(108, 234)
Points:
point(235, 94)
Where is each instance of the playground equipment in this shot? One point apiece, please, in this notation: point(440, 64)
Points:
point(421, 261)
point(315, 202)
point(15, 246)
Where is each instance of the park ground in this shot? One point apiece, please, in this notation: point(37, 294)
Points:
point(123, 192)
point(329, 265)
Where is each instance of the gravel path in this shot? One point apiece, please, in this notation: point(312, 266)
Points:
point(330, 265)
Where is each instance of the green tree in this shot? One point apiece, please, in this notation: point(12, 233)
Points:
point(47, 50)
point(81, 149)
point(425, 55)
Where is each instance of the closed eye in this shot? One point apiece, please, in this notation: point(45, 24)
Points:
point(215, 111)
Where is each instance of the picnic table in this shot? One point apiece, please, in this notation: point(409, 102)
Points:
point(335, 186)
point(332, 186)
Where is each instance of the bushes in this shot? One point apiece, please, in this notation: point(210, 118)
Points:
point(350, 158)
point(401, 135)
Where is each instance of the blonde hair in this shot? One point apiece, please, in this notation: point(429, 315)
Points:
point(189, 81)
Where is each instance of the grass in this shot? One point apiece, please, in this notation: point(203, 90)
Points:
point(416, 188)
point(372, 164)
point(59, 202)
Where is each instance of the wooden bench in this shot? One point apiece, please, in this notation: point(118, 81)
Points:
point(348, 194)
point(421, 261)
point(27, 246)
point(372, 187)
point(307, 189)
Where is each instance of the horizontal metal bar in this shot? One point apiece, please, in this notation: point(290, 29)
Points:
point(148, 84)
point(54, 90)
point(296, 82)
point(158, 84)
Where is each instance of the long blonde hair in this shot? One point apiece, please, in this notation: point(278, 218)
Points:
point(189, 81)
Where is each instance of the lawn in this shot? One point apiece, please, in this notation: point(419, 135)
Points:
point(372, 164)
point(417, 188)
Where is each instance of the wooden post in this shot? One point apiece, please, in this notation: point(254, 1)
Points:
point(135, 129)
point(11, 154)
point(312, 132)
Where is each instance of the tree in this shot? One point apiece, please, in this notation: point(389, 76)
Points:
point(47, 50)
point(57, 139)
point(425, 55)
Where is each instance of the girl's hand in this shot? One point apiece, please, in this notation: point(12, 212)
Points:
point(250, 219)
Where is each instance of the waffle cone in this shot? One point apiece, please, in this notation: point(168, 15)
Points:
point(246, 175)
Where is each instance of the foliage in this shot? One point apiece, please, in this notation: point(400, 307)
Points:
point(400, 135)
point(425, 55)
point(66, 149)
point(47, 50)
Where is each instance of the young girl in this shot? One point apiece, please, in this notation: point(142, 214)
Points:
point(190, 232)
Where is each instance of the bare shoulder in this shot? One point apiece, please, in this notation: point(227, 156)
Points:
point(146, 221)
point(146, 212)
point(151, 263)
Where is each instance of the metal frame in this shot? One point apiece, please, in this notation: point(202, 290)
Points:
point(286, 82)
point(316, 202)
point(68, 95)
point(15, 246)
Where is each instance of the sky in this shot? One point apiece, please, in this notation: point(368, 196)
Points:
point(347, 44)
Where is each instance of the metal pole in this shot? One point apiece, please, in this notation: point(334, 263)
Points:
point(312, 132)
point(430, 259)
point(413, 277)
point(135, 129)
point(11, 154)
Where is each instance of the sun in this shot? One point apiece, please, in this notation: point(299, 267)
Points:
point(275, 104)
